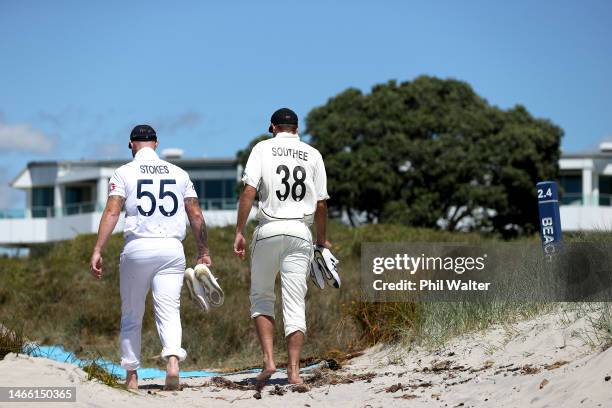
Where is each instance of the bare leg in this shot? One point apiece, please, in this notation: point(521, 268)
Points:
point(172, 373)
point(265, 332)
point(131, 380)
point(295, 342)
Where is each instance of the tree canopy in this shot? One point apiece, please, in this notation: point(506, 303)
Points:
point(431, 152)
point(243, 155)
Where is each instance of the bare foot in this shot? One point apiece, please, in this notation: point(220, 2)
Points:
point(266, 372)
point(294, 377)
point(172, 383)
point(172, 374)
point(131, 380)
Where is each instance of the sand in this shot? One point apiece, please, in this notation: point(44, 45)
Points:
point(539, 363)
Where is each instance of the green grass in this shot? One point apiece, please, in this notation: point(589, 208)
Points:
point(57, 301)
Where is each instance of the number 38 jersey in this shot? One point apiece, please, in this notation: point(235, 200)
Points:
point(289, 176)
point(154, 192)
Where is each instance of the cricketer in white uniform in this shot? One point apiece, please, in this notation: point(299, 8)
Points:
point(158, 196)
point(289, 177)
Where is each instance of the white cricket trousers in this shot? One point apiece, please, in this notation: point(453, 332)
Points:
point(284, 246)
point(157, 263)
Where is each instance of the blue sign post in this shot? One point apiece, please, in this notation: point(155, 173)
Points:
point(550, 220)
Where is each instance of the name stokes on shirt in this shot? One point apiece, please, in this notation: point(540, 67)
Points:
point(290, 152)
point(145, 169)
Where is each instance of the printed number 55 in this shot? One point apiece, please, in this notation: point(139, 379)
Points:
point(162, 194)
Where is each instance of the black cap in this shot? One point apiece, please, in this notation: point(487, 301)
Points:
point(143, 133)
point(283, 116)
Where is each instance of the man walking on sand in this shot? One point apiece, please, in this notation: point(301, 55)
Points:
point(157, 196)
point(290, 178)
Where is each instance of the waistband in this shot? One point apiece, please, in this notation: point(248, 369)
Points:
point(263, 217)
point(152, 244)
point(286, 227)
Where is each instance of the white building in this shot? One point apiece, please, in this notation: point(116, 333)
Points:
point(66, 198)
point(586, 184)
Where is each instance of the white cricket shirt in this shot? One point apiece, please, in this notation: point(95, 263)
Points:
point(289, 176)
point(154, 192)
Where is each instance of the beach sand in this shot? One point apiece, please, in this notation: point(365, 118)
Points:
point(538, 362)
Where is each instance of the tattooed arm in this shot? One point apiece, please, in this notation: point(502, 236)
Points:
point(110, 216)
point(198, 226)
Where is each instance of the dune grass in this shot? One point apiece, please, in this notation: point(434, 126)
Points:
point(598, 332)
point(11, 341)
point(95, 371)
point(57, 301)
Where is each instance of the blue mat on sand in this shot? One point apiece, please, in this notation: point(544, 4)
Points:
point(58, 353)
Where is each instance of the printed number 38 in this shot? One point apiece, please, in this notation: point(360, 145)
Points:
point(298, 189)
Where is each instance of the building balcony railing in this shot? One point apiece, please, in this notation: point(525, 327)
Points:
point(42, 212)
point(604, 200)
point(218, 203)
point(90, 207)
point(571, 199)
point(10, 213)
point(34, 212)
point(48, 212)
point(80, 208)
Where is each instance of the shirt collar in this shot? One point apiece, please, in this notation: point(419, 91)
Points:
point(146, 153)
point(287, 135)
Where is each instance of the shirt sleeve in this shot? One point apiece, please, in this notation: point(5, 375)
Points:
point(189, 191)
point(252, 171)
point(320, 181)
point(116, 185)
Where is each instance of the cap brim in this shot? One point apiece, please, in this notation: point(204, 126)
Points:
point(144, 139)
point(270, 129)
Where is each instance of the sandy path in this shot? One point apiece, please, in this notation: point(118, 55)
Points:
point(536, 363)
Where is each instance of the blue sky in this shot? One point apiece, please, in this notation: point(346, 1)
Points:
point(76, 76)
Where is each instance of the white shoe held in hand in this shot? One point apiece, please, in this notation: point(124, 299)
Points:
point(327, 265)
point(316, 274)
point(214, 293)
point(196, 290)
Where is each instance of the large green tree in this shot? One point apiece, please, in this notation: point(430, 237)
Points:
point(243, 155)
point(431, 152)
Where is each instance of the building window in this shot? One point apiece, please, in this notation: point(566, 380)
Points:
point(216, 194)
point(78, 199)
point(42, 202)
point(230, 189)
point(213, 189)
point(571, 189)
point(605, 190)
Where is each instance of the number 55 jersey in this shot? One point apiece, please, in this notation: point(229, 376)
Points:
point(154, 192)
point(289, 176)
